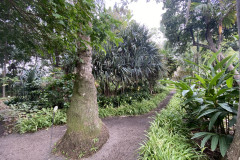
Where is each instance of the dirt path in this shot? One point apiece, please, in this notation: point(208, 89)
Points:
point(126, 134)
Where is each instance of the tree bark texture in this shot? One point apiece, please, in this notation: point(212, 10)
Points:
point(234, 150)
point(85, 133)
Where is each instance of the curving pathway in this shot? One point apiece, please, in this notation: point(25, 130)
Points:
point(126, 134)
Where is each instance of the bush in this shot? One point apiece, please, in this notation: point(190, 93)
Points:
point(123, 99)
point(168, 136)
point(57, 91)
point(44, 92)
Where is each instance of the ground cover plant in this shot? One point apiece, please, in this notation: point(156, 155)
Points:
point(41, 119)
point(169, 136)
point(31, 122)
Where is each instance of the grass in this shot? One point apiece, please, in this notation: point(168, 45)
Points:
point(43, 118)
point(168, 136)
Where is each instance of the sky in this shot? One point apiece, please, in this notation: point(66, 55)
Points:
point(147, 13)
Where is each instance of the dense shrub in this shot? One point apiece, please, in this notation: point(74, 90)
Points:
point(45, 93)
point(57, 91)
point(168, 136)
point(123, 99)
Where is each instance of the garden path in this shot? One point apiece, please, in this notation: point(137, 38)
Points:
point(126, 134)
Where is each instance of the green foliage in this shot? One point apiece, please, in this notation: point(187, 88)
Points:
point(135, 108)
point(211, 102)
point(57, 91)
point(41, 119)
point(31, 122)
point(214, 14)
point(123, 99)
point(136, 60)
point(42, 92)
point(168, 136)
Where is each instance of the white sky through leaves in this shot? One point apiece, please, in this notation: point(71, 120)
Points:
point(146, 13)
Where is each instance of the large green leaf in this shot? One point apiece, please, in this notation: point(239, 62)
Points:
point(226, 107)
point(214, 142)
point(229, 82)
point(221, 91)
point(203, 107)
point(205, 68)
point(205, 139)
point(213, 58)
point(214, 80)
point(209, 111)
point(201, 80)
point(223, 145)
point(220, 65)
point(213, 120)
point(182, 85)
point(199, 134)
point(230, 61)
point(188, 100)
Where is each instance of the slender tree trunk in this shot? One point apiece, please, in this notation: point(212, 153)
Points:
point(116, 88)
point(85, 133)
point(4, 76)
point(234, 150)
point(188, 10)
point(57, 58)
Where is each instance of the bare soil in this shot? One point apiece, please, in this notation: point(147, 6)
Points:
point(126, 135)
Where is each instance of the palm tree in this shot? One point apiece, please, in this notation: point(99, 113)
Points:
point(135, 60)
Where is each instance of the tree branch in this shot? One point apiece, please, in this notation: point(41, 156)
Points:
point(196, 43)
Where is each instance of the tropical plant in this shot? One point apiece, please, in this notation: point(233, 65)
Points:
point(134, 60)
point(212, 101)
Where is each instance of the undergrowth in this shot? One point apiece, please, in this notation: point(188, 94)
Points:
point(136, 108)
point(43, 118)
point(168, 137)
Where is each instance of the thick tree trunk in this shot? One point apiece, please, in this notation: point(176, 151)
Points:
point(234, 150)
point(85, 133)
